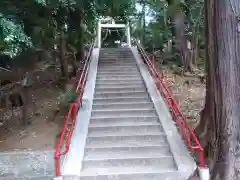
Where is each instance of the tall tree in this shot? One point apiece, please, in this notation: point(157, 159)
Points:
point(220, 123)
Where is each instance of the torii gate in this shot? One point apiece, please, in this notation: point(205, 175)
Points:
point(112, 25)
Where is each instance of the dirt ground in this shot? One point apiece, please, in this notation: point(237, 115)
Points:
point(46, 121)
point(189, 92)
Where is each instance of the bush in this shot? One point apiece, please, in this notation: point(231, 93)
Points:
point(68, 97)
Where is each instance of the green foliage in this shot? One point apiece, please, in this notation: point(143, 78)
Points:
point(68, 98)
point(13, 39)
point(37, 23)
point(42, 2)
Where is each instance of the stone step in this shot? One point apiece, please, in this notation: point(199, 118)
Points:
point(118, 62)
point(114, 68)
point(108, 69)
point(116, 55)
point(102, 100)
point(117, 66)
point(160, 162)
point(140, 105)
point(136, 173)
point(118, 70)
point(128, 78)
point(125, 130)
point(122, 113)
point(121, 94)
point(120, 88)
point(119, 76)
point(118, 73)
point(128, 121)
point(122, 64)
point(127, 152)
point(122, 83)
point(126, 141)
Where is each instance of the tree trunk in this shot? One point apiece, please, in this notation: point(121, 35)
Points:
point(63, 61)
point(80, 54)
point(221, 116)
point(181, 41)
point(25, 97)
point(72, 59)
point(143, 22)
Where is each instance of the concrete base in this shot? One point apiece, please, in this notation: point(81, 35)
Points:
point(27, 165)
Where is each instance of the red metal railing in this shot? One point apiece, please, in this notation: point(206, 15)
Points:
point(177, 114)
point(66, 133)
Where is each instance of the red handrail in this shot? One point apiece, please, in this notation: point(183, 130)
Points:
point(72, 113)
point(175, 109)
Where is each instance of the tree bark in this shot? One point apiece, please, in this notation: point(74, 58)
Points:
point(80, 54)
point(221, 116)
point(63, 61)
point(182, 42)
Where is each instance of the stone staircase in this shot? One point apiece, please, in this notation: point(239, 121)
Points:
point(126, 139)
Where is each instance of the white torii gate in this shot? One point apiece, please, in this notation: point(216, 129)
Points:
point(112, 25)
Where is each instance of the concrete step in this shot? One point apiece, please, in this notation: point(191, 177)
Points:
point(117, 82)
point(128, 121)
point(111, 84)
point(122, 173)
point(117, 62)
point(117, 54)
point(111, 63)
point(120, 87)
point(160, 162)
point(127, 152)
point(139, 99)
point(119, 75)
point(140, 105)
point(116, 69)
point(126, 141)
point(122, 113)
point(120, 63)
point(116, 66)
point(125, 130)
point(128, 78)
point(121, 94)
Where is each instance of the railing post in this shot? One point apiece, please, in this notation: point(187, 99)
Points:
point(57, 164)
point(99, 33)
point(128, 34)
